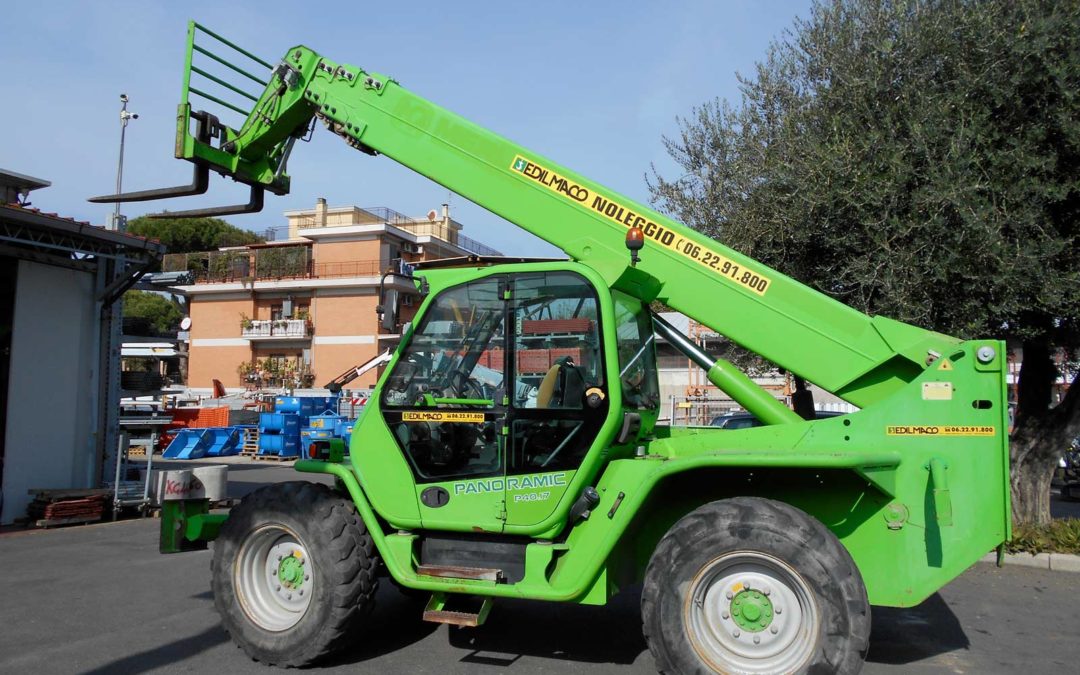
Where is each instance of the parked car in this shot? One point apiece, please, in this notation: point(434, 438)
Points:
point(746, 420)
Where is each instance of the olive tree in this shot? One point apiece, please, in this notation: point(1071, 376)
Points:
point(918, 159)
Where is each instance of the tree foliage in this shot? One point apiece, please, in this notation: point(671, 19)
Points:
point(189, 235)
point(918, 159)
point(160, 315)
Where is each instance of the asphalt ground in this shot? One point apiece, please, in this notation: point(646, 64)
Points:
point(99, 599)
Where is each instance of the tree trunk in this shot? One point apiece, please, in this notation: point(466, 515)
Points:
point(1041, 434)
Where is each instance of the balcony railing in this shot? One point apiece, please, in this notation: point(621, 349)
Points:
point(262, 329)
point(349, 268)
point(235, 266)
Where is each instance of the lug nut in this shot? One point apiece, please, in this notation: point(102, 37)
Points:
point(778, 610)
point(729, 595)
point(766, 591)
point(725, 615)
point(735, 633)
point(307, 577)
point(757, 640)
point(773, 630)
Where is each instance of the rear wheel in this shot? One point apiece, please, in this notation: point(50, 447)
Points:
point(749, 585)
point(293, 570)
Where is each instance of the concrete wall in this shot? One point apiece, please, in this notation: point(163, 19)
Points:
point(52, 387)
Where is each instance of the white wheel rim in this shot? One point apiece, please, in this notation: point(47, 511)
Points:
point(273, 577)
point(782, 642)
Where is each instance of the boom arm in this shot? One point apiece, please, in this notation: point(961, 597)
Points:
point(860, 358)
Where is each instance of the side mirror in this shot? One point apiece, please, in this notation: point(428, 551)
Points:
point(389, 315)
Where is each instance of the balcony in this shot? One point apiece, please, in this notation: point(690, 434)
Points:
point(279, 329)
point(276, 264)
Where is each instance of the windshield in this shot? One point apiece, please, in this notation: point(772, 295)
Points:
point(445, 357)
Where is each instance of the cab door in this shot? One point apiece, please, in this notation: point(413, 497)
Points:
point(445, 404)
point(557, 364)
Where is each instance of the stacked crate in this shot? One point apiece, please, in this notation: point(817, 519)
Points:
point(279, 434)
point(280, 431)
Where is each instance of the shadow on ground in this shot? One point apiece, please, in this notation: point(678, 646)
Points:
point(395, 624)
point(577, 633)
point(607, 634)
point(172, 653)
point(901, 636)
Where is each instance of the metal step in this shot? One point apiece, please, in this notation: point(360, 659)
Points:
point(436, 612)
point(455, 572)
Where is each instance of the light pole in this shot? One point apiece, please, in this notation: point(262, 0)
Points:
point(117, 223)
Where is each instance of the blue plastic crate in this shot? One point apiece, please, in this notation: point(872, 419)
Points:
point(277, 444)
point(279, 423)
point(324, 421)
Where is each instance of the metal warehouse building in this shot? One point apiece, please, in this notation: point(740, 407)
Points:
point(59, 344)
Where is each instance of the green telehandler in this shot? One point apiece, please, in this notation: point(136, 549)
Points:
point(512, 448)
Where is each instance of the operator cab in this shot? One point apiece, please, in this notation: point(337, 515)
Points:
point(500, 394)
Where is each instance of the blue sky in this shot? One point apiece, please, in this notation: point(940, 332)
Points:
point(592, 85)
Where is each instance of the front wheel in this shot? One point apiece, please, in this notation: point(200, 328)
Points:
point(293, 569)
point(750, 585)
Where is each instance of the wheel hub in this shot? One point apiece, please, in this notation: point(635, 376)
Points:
point(291, 570)
point(751, 610)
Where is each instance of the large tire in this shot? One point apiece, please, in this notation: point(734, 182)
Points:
point(802, 603)
point(293, 569)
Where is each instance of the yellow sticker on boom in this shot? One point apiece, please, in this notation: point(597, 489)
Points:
point(933, 430)
point(435, 416)
point(619, 214)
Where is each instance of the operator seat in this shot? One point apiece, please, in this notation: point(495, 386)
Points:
point(562, 386)
point(547, 387)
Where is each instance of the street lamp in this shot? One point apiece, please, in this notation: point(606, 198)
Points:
point(117, 223)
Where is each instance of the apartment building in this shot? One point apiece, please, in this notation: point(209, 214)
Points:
point(301, 311)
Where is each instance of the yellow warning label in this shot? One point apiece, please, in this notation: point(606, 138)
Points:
point(622, 215)
point(916, 430)
point(946, 364)
point(435, 416)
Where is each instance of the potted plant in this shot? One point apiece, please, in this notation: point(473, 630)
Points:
point(245, 322)
point(246, 371)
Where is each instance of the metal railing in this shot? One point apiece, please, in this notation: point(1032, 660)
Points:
point(279, 328)
point(350, 268)
point(267, 265)
point(278, 262)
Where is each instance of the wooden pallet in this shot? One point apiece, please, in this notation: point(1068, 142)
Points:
point(55, 522)
point(52, 507)
point(274, 458)
point(251, 442)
